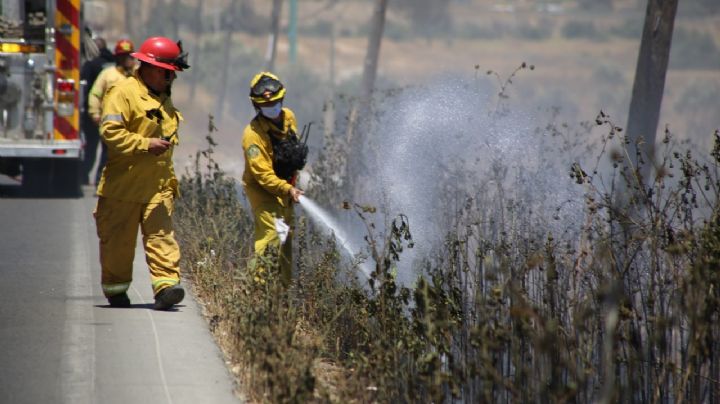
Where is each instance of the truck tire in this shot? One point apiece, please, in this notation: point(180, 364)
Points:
point(36, 177)
point(66, 178)
point(51, 178)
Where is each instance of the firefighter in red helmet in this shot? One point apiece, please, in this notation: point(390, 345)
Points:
point(139, 125)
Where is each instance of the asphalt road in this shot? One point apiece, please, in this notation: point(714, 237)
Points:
point(60, 342)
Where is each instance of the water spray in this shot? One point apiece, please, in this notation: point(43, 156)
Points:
point(323, 218)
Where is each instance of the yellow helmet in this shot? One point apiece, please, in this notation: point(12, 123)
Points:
point(266, 87)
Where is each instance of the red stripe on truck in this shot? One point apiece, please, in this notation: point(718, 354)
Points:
point(68, 51)
point(65, 128)
point(66, 8)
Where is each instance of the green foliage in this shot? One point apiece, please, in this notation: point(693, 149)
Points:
point(594, 5)
point(398, 32)
point(582, 30)
point(470, 30)
point(428, 17)
point(320, 28)
point(630, 28)
point(540, 31)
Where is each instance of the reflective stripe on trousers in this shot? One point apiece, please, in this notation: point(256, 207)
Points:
point(113, 289)
point(162, 283)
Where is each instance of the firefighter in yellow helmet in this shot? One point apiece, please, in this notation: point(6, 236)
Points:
point(139, 125)
point(273, 156)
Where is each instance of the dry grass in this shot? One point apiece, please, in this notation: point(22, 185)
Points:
point(624, 311)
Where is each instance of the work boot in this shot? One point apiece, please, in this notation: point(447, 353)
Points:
point(168, 297)
point(121, 300)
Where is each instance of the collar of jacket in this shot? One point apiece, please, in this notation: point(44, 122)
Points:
point(269, 127)
point(145, 92)
point(124, 71)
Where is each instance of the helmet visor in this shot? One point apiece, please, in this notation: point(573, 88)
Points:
point(264, 85)
point(180, 62)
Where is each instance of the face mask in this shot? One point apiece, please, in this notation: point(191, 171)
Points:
point(272, 112)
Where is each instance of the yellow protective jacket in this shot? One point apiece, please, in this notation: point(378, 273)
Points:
point(107, 78)
point(131, 115)
point(261, 183)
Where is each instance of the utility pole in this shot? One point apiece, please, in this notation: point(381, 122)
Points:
point(649, 82)
point(275, 34)
point(359, 115)
point(176, 20)
point(643, 118)
point(329, 115)
point(292, 30)
point(377, 26)
point(230, 29)
point(132, 13)
point(362, 107)
point(332, 56)
point(196, 47)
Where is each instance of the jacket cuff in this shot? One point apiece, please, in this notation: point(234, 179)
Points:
point(144, 145)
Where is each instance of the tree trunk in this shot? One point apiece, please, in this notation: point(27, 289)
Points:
point(362, 107)
point(176, 20)
point(333, 37)
point(650, 83)
point(359, 120)
point(329, 116)
point(227, 41)
point(292, 31)
point(631, 198)
point(132, 13)
point(275, 34)
point(377, 25)
point(196, 47)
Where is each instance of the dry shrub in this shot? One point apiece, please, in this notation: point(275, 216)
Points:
point(626, 310)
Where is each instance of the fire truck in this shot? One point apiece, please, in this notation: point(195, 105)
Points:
point(40, 56)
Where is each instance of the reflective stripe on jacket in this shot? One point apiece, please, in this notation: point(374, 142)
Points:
point(259, 179)
point(131, 115)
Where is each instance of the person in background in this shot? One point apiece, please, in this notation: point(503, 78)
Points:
point(89, 72)
point(124, 67)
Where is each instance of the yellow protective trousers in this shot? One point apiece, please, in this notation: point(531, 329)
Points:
point(117, 227)
point(266, 234)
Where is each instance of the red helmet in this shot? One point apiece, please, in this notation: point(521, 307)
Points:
point(123, 47)
point(162, 52)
